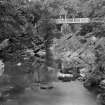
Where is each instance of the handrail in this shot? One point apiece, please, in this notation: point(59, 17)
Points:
point(79, 20)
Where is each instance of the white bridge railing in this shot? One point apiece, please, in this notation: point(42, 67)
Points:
point(78, 20)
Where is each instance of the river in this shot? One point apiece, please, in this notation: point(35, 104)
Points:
point(63, 93)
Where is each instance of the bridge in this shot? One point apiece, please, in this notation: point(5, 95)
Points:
point(63, 21)
point(78, 20)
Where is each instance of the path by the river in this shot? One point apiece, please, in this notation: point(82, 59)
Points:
point(70, 93)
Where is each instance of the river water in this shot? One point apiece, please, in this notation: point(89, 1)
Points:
point(69, 93)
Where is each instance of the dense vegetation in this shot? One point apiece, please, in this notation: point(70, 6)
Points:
point(27, 29)
point(84, 46)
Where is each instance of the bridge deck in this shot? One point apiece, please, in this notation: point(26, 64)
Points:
point(78, 20)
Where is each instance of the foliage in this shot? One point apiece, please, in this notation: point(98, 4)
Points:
point(13, 24)
point(73, 52)
point(26, 29)
point(94, 9)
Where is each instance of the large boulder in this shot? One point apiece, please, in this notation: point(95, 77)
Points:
point(1, 67)
point(64, 77)
point(95, 80)
point(101, 99)
point(92, 84)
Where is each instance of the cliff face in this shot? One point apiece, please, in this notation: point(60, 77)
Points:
point(74, 54)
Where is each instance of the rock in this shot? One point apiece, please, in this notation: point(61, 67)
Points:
point(101, 99)
point(1, 67)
